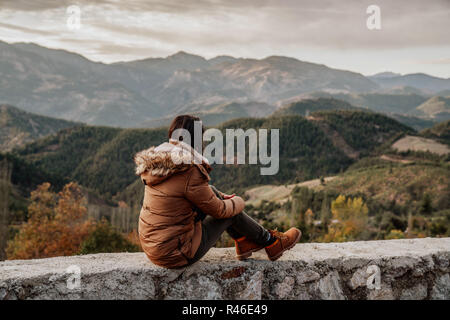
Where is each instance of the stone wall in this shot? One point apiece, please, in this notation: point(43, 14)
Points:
point(394, 269)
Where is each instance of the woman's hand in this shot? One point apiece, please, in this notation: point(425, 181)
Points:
point(227, 196)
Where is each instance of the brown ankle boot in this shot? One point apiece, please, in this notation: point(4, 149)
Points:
point(245, 248)
point(285, 241)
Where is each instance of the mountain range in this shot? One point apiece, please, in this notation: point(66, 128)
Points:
point(147, 92)
point(420, 81)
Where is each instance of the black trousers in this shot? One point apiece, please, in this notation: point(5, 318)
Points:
point(238, 226)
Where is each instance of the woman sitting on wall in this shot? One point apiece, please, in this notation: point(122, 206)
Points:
point(182, 216)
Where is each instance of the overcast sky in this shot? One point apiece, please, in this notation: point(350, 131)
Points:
point(414, 35)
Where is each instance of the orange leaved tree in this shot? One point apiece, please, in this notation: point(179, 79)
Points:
point(56, 226)
point(349, 219)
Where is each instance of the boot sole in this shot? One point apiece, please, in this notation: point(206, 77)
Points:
point(286, 249)
point(248, 254)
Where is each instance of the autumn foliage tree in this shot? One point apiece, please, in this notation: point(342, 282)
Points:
point(349, 219)
point(56, 226)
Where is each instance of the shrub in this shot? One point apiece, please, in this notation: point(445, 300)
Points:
point(105, 238)
point(395, 234)
point(350, 219)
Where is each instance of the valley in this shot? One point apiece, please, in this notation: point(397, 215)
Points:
point(360, 157)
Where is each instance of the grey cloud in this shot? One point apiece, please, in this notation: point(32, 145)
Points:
point(25, 29)
point(324, 24)
point(100, 48)
point(24, 5)
point(42, 5)
point(129, 50)
point(172, 6)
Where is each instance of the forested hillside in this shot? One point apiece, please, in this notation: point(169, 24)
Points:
point(216, 114)
point(306, 106)
point(437, 108)
point(396, 106)
point(362, 131)
point(305, 152)
point(374, 199)
point(101, 158)
point(440, 131)
point(26, 176)
point(402, 103)
point(18, 127)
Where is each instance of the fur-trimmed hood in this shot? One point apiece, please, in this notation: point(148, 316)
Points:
point(158, 163)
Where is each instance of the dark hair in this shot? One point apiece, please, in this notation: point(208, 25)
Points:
point(186, 122)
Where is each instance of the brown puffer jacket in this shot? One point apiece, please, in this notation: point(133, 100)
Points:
point(176, 182)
